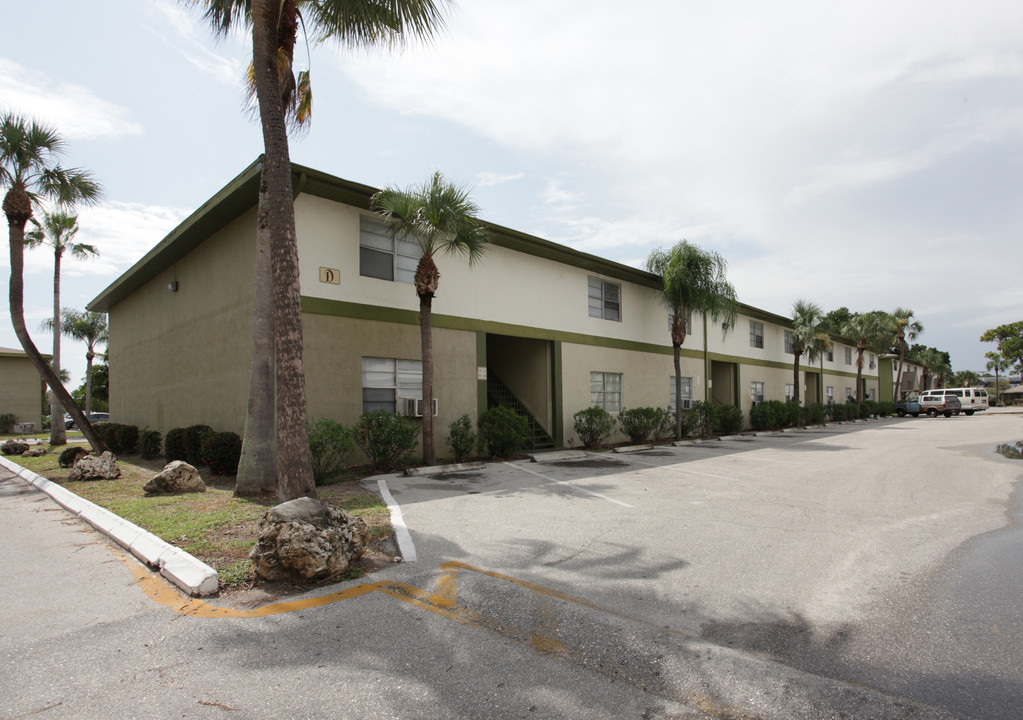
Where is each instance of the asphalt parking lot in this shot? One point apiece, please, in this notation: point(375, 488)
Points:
point(816, 574)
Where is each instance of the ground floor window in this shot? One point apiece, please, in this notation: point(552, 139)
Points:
point(687, 392)
point(829, 394)
point(756, 390)
point(849, 395)
point(386, 382)
point(790, 391)
point(606, 390)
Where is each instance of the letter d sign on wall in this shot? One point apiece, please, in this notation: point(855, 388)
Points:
point(330, 275)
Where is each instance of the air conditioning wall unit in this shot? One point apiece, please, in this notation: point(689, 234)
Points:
point(414, 407)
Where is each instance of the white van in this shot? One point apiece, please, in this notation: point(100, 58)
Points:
point(972, 399)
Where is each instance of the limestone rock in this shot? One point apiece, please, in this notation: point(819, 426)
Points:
point(13, 447)
point(305, 539)
point(175, 478)
point(93, 467)
point(69, 456)
point(37, 451)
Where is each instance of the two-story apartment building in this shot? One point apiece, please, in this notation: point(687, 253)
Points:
point(558, 329)
point(20, 387)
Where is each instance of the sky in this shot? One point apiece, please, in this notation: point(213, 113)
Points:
point(866, 155)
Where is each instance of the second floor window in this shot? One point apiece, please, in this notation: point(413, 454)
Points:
point(605, 299)
point(788, 342)
point(383, 256)
point(848, 356)
point(756, 334)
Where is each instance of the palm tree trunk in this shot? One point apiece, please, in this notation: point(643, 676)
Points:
point(294, 467)
point(859, 378)
point(58, 433)
point(898, 375)
point(89, 357)
point(426, 335)
point(795, 375)
point(18, 211)
point(677, 356)
point(257, 468)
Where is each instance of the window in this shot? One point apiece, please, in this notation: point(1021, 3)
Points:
point(756, 334)
point(873, 361)
point(386, 381)
point(687, 392)
point(383, 256)
point(606, 390)
point(829, 355)
point(605, 299)
point(788, 342)
point(829, 395)
point(790, 391)
point(848, 356)
point(849, 395)
point(756, 391)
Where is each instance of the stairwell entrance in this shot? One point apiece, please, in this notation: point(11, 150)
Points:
point(520, 375)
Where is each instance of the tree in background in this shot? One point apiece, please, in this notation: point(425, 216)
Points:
point(90, 328)
point(998, 364)
point(834, 321)
point(694, 281)
point(30, 169)
point(906, 328)
point(282, 100)
point(1010, 342)
point(58, 230)
point(808, 336)
point(966, 378)
point(868, 330)
point(936, 364)
point(438, 216)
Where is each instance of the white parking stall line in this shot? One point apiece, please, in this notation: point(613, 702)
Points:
point(568, 484)
point(406, 547)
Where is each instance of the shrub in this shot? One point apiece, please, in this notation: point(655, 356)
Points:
point(222, 451)
point(150, 444)
point(702, 418)
point(195, 436)
point(815, 414)
point(174, 445)
point(107, 432)
point(127, 438)
point(594, 426)
point(331, 445)
point(691, 419)
point(665, 428)
point(885, 408)
point(503, 432)
point(639, 424)
point(386, 437)
point(7, 422)
point(868, 408)
point(461, 438)
point(730, 420)
point(764, 415)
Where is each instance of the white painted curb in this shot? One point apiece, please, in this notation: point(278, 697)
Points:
point(191, 575)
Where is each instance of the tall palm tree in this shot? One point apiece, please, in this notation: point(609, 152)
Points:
point(935, 364)
point(906, 328)
point(275, 25)
point(58, 230)
point(808, 336)
point(30, 169)
point(90, 328)
point(694, 282)
point(869, 330)
point(999, 364)
point(437, 216)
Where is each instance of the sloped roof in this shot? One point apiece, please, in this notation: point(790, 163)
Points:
point(241, 194)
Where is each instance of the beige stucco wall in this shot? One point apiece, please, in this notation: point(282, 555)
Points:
point(20, 389)
point(182, 358)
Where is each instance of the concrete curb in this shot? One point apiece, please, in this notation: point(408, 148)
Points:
point(191, 575)
point(439, 469)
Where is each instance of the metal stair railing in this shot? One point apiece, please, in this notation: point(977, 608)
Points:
point(499, 394)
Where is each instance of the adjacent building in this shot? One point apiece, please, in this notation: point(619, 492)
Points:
point(536, 323)
point(21, 388)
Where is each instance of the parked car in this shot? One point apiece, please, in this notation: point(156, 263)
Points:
point(972, 399)
point(909, 406)
point(95, 417)
point(934, 405)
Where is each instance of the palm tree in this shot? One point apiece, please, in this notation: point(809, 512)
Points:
point(438, 216)
point(999, 364)
point(88, 327)
point(935, 364)
point(808, 336)
point(275, 24)
point(694, 282)
point(869, 331)
point(30, 169)
point(58, 230)
point(905, 328)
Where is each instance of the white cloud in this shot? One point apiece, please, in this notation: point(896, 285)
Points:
point(489, 179)
point(73, 108)
point(192, 38)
